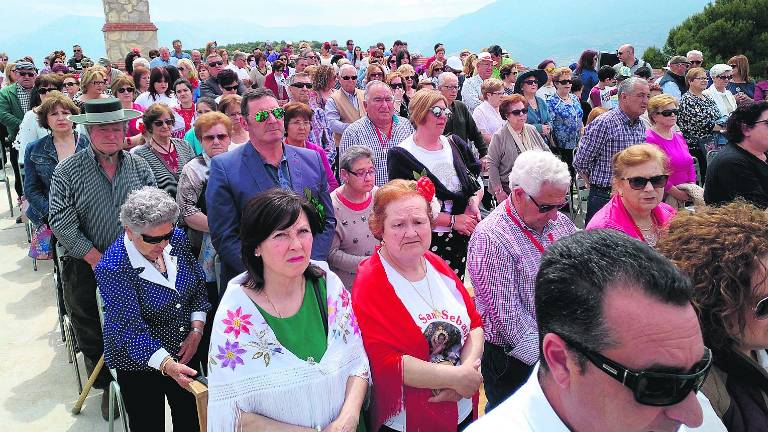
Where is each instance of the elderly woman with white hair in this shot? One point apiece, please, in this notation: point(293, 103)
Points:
point(725, 100)
point(155, 306)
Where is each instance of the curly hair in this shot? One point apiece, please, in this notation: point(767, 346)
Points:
point(720, 249)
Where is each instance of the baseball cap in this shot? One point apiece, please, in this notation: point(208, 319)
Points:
point(678, 60)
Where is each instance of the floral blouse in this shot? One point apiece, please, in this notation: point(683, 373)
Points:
point(320, 134)
point(566, 121)
point(696, 117)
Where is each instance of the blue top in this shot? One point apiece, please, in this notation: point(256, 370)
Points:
point(146, 313)
point(566, 121)
point(39, 162)
point(589, 79)
point(537, 117)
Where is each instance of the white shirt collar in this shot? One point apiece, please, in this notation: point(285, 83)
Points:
point(150, 273)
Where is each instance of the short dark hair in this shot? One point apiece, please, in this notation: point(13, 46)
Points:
point(207, 100)
point(437, 46)
point(398, 43)
point(744, 116)
point(577, 84)
point(296, 109)
point(644, 72)
point(154, 112)
point(227, 77)
point(183, 81)
point(45, 80)
point(606, 72)
point(506, 69)
point(254, 94)
point(576, 273)
point(269, 211)
point(155, 75)
point(495, 50)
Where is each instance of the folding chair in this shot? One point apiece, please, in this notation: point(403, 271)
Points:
point(5, 180)
point(114, 386)
point(69, 341)
point(58, 252)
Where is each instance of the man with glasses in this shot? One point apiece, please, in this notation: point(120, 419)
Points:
point(75, 62)
point(471, 94)
point(502, 260)
point(346, 104)
point(212, 87)
point(379, 129)
point(673, 80)
point(15, 101)
point(607, 135)
point(620, 344)
point(263, 163)
point(299, 87)
point(626, 55)
point(87, 190)
point(739, 170)
point(350, 52)
point(177, 52)
point(460, 122)
point(164, 59)
point(239, 65)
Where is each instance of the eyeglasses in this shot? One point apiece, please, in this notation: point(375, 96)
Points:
point(348, 77)
point(302, 85)
point(97, 83)
point(220, 137)
point(517, 112)
point(530, 82)
point(262, 116)
point(160, 123)
point(440, 112)
point(565, 82)
point(362, 173)
point(455, 87)
point(378, 74)
point(732, 66)
point(44, 90)
point(699, 78)
point(544, 208)
point(761, 121)
point(639, 183)
point(437, 70)
point(157, 239)
point(381, 100)
point(669, 112)
point(761, 309)
point(397, 86)
point(696, 62)
point(125, 89)
point(230, 88)
point(26, 74)
point(650, 387)
point(408, 78)
point(214, 64)
point(70, 83)
point(300, 123)
point(725, 77)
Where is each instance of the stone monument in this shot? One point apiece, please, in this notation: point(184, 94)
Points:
point(128, 26)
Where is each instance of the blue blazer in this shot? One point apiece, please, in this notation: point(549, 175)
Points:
point(237, 176)
point(146, 314)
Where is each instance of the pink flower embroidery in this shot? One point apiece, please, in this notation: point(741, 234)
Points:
point(237, 323)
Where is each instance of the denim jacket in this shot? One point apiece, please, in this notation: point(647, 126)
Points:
point(39, 162)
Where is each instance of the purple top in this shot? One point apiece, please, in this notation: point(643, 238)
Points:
point(332, 183)
point(680, 160)
point(761, 91)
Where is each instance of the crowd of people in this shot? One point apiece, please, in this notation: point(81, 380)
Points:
point(301, 227)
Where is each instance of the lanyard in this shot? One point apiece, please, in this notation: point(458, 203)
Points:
point(381, 138)
point(534, 241)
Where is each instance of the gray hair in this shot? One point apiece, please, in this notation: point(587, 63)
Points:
point(292, 79)
point(441, 78)
point(238, 55)
point(141, 61)
point(351, 156)
point(533, 168)
point(148, 207)
point(375, 83)
point(694, 52)
point(347, 66)
point(628, 85)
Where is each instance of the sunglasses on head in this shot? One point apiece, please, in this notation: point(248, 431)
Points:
point(639, 183)
point(230, 88)
point(44, 90)
point(544, 208)
point(26, 74)
point(565, 82)
point(650, 387)
point(160, 123)
point(125, 89)
point(216, 63)
point(302, 85)
point(348, 77)
point(669, 112)
point(440, 112)
point(157, 239)
point(262, 116)
point(517, 112)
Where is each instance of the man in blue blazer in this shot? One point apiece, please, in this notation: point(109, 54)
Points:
point(263, 163)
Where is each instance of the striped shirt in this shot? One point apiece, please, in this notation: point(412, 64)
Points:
point(502, 263)
point(85, 204)
point(363, 132)
point(165, 179)
point(607, 135)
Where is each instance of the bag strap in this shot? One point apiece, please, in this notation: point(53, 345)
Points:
point(322, 304)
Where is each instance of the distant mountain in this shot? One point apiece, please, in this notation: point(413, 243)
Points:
point(530, 32)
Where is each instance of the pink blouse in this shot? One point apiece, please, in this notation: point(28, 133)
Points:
point(680, 159)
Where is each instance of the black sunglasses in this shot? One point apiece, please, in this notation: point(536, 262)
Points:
point(725, 77)
point(214, 64)
point(530, 82)
point(160, 123)
point(44, 90)
point(348, 77)
point(396, 85)
point(696, 62)
point(230, 88)
point(543, 208)
point(70, 84)
point(517, 112)
point(732, 66)
point(650, 387)
point(157, 239)
point(565, 82)
point(639, 183)
point(125, 89)
point(669, 112)
point(302, 85)
point(26, 74)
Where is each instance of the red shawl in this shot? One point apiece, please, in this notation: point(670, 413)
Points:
point(389, 332)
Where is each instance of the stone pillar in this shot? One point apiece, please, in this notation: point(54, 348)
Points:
point(128, 26)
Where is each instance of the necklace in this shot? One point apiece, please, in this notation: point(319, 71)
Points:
point(431, 302)
point(279, 315)
point(164, 149)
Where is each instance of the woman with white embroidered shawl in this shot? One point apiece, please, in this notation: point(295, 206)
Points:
point(286, 351)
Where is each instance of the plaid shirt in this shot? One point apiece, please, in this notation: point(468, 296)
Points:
point(363, 132)
point(502, 263)
point(607, 135)
point(25, 97)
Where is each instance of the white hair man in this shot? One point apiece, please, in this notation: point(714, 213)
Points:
point(503, 258)
point(164, 59)
point(240, 67)
point(345, 104)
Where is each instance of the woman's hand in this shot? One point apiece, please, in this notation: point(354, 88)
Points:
point(501, 196)
point(545, 129)
point(465, 224)
point(679, 195)
point(446, 395)
point(467, 379)
point(189, 347)
point(344, 423)
point(180, 373)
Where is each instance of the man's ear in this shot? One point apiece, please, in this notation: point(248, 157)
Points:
point(560, 360)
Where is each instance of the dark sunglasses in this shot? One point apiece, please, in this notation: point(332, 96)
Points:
point(543, 208)
point(725, 77)
point(732, 66)
point(302, 85)
point(160, 123)
point(70, 84)
point(517, 112)
point(348, 77)
point(25, 74)
point(392, 61)
point(649, 387)
point(696, 62)
point(669, 112)
point(565, 82)
point(214, 64)
point(440, 112)
point(125, 89)
point(437, 70)
point(376, 74)
point(262, 116)
point(639, 183)
point(157, 239)
point(396, 86)
point(230, 88)
point(44, 90)
point(530, 82)
point(210, 138)
point(409, 77)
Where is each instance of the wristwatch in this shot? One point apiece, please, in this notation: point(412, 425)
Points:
point(197, 330)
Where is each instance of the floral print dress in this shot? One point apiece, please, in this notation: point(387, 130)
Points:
point(566, 121)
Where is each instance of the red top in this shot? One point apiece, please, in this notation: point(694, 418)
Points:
point(187, 114)
point(355, 206)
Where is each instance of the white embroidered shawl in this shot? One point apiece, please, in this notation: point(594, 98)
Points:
point(250, 370)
